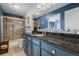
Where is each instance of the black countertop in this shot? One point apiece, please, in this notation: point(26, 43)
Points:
point(64, 34)
point(64, 40)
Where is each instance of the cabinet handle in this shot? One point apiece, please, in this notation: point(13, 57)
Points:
point(53, 51)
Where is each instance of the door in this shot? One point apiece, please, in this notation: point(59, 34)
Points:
point(13, 29)
point(7, 29)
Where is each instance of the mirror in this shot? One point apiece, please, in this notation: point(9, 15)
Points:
point(72, 20)
point(54, 23)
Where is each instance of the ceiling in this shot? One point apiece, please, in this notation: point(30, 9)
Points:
point(23, 8)
point(22, 11)
point(52, 8)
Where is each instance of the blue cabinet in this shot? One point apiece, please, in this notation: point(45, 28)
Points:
point(29, 48)
point(27, 45)
point(36, 40)
point(34, 46)
point(25, 49)
point(54, 49)
point(25, 40)
point(35, 50)
point(47, 46)
point(45, 53)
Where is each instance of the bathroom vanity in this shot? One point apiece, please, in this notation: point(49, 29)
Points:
point(54, 44)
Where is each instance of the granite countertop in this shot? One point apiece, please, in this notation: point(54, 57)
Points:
point(64, 44)
point(69, 43)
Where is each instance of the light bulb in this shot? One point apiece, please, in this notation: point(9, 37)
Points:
point(16, 6)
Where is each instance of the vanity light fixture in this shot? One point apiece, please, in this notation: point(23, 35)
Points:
point(39, 6)
point(16, 6)
point(37, 13)
point(53, 3)
point(45, 6)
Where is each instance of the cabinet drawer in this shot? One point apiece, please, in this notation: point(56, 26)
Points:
point(25, 48)
point(25, 40)
point(29, 50)
point(60, 52)
point(25, 44)
point(48, 47)
point(25, 51)
point(36, 41)
point(53, 49)
point(44, 53)
point(29, 38)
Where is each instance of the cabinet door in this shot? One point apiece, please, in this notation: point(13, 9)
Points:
point(25, 50)
point(29, 48)
point(35, 50)
point(54, 49)
point(45, 53)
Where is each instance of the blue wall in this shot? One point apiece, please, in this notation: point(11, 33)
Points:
point(43, 22)
point(61, 11)
point(62, 22)
point(1, 20)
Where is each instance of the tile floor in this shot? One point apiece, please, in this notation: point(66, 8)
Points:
point(15, 48)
